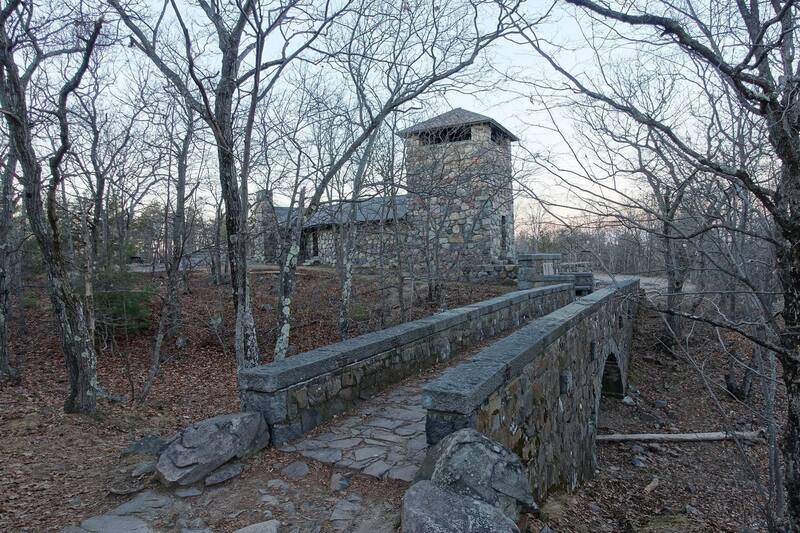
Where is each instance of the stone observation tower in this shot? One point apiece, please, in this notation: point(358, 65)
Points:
point(461, 203)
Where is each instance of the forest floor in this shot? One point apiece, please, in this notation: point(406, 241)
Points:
point(57, 469)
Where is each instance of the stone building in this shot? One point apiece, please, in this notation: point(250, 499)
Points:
point(457, 215)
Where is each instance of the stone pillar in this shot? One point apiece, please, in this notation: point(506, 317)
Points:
point(538, 270)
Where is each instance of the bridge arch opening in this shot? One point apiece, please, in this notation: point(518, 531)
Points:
point(611, 385)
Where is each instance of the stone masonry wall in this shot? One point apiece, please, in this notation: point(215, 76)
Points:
point(537, 391)
point(299, 393)
point(374, 240)
point(492, 273)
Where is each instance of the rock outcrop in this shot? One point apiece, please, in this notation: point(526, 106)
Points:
point(271, 526)
point(205, 446)
point(471, 464)
point(429, 508)
point(464, 468)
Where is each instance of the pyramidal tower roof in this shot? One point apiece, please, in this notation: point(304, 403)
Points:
point(454, 118)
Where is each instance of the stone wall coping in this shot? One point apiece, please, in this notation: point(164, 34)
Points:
point(302, 367)
point(463, 388)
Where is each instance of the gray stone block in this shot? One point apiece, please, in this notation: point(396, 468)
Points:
point(146, 505)
point(462, 388)
point(566, 382)
point(224, 473)
point(500, 481)
point(271, 526)
point(115, 524)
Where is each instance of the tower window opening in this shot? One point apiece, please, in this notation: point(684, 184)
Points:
point(446, 135)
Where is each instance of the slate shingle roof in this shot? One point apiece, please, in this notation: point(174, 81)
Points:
point(456, 117)
point(334, 213)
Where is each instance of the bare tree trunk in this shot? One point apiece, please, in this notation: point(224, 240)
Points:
point(17, 280)
point(345, 279)
point(674, 286)
point(288, 271)
point(399, 258)
point(7, 372)
point(245, 337)
point(155, 359)
point(89, 248)
point(174, 312)
point(216, 254)
point(776, 480)
point(789, 261)
point(69, 240)
point(348, 241)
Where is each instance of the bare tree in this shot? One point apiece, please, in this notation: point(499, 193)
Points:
point(180, 144)
point(384, 61)
point(41, 208)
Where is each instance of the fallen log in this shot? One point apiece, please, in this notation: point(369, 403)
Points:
point(681, 437)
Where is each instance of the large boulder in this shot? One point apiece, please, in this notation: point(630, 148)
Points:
point(205, 446)
point(471, 464)
point(430, 508)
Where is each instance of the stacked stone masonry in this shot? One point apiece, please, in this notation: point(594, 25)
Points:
point(537, 390)
point(374, 243)
point(299, 393)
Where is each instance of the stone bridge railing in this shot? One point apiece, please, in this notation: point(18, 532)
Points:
point(537, 390)
point(299, 393)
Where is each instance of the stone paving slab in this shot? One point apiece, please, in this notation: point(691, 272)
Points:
point(383, 438)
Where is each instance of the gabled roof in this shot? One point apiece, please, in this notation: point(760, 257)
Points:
point(456, 117)
point(334, 213)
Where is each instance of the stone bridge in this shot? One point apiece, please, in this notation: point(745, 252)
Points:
point(536, 388)
point(537, 391)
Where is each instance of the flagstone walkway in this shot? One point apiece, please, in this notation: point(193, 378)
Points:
point(383, 438)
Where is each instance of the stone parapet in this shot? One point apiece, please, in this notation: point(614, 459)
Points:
point(529, 280)
point(299, 393)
